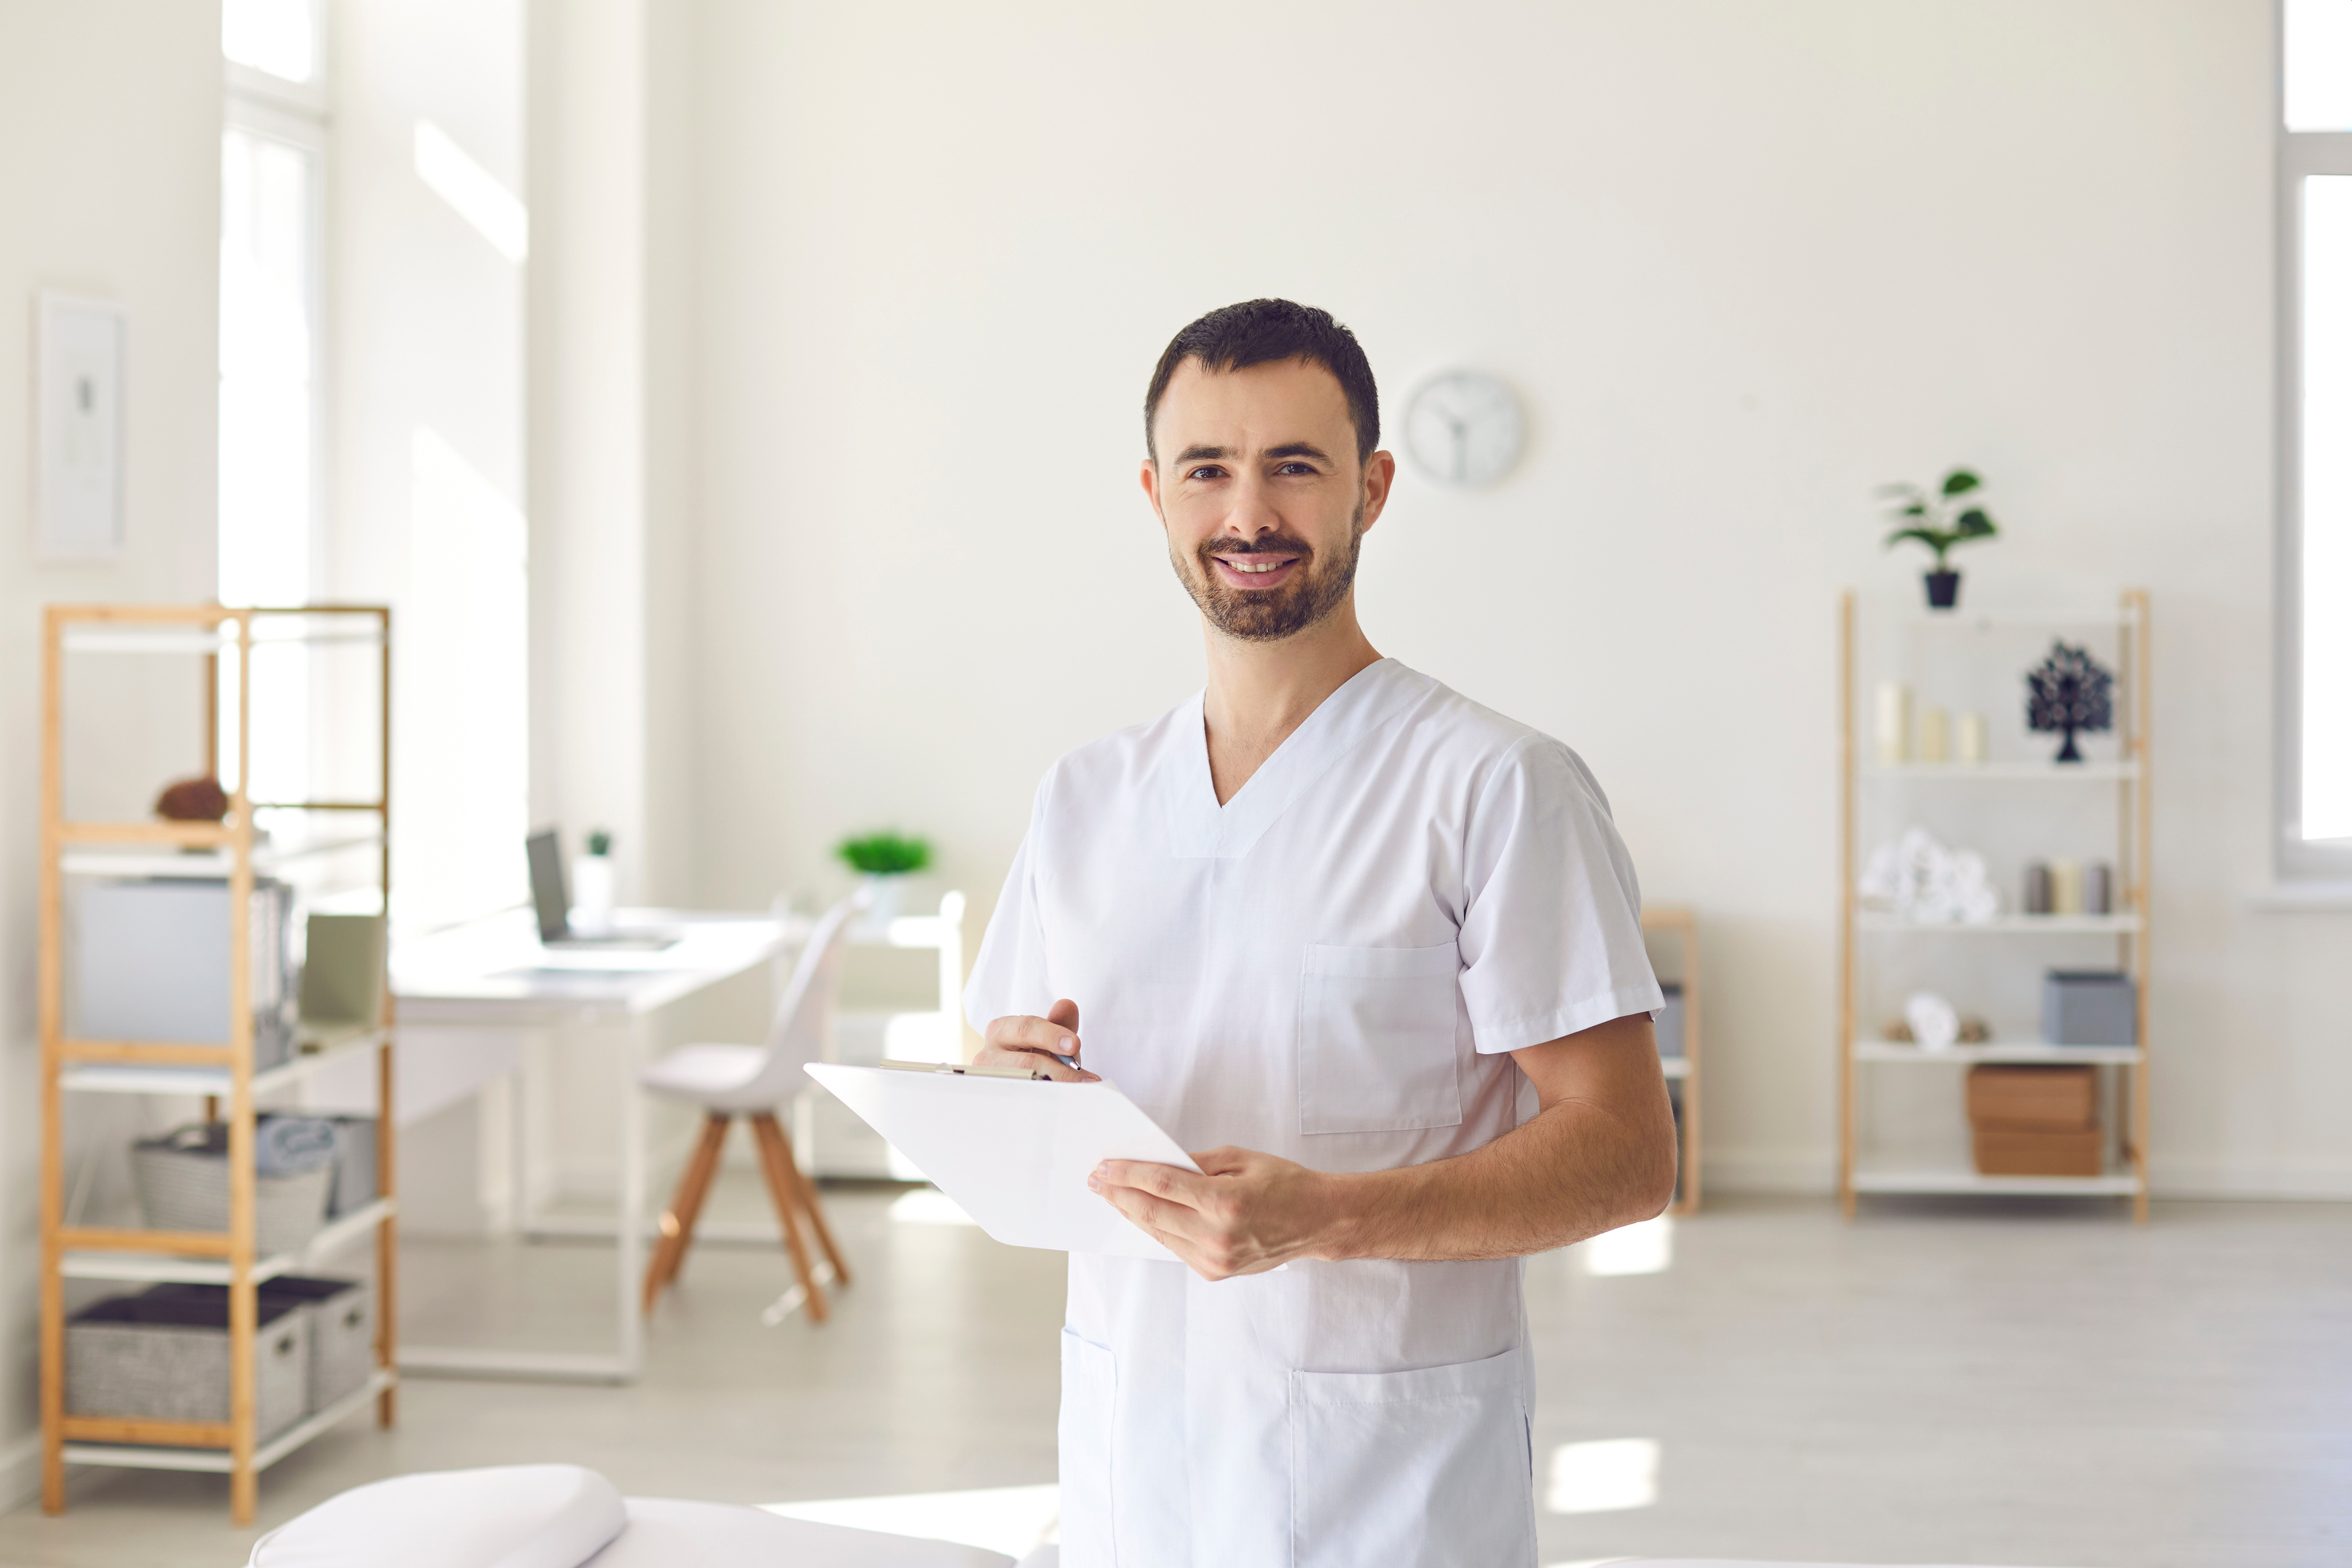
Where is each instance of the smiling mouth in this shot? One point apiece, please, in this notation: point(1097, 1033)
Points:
point(1253, 569)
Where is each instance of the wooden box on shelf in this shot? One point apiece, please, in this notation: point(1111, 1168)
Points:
point(2037, 1151)
point(2035, 1121)
point(2028, 1099)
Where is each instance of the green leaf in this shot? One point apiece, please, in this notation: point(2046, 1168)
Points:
point(1915, 510)
point(1936, 540)
point(884, 854)
point(1897, 488)
point(1973, 523)
point(1959, 482)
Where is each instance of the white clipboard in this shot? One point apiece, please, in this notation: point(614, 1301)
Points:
point(1014, 1152)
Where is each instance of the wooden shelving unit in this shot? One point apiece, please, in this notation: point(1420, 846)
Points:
point(1862, 933)
point(224, 1073)
point(1682, 925)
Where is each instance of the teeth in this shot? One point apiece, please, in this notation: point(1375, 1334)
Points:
point(1269, 567)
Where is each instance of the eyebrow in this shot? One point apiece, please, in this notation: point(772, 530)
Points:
point(1288, 449)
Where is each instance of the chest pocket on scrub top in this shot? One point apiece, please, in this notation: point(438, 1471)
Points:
point(1376, 1039)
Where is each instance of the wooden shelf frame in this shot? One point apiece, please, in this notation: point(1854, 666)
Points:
point(1682, 923)
point(225, 1071)
point(2131, 776)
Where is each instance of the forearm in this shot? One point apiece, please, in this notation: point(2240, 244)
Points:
point(1578, 1169)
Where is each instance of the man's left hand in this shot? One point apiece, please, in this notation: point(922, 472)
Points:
point(1246, 1213)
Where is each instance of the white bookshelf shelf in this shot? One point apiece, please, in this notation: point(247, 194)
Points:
point(1961, 1181)
point(2009, 772)
point(2004, 1051)
point(141, 1078)
point(2006, 926)
point(217, 1461)
point(213, 864)
point(131, 1266)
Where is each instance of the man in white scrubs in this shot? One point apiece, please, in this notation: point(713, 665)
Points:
point(1373, 949)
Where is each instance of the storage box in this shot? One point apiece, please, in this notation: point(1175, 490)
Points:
point(183, 1182)
point(342, 970)
point(2089, 1007)
point(354, 1184)
point(2001, 1151)
point(341, 1314)
point(162, 1359)
point(2059, 1099)
point(1670, 1022)
point(151, 963)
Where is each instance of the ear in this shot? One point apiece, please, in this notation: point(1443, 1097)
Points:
point(1151, 478)
point(1380, 473)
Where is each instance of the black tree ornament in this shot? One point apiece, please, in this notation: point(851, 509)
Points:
point(2070, 691)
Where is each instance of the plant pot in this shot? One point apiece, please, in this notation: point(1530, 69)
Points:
point(890, 894)
point(591, 892)
point(1943, 589)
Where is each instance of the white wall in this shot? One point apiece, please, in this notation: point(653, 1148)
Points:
point(1744, 261)
point(110, 186)
point(426, 403)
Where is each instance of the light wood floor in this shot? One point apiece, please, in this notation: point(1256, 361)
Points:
point(1975, 1384)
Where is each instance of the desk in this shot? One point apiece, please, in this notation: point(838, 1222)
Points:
point(493, 974)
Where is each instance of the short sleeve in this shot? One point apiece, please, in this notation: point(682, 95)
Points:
point(1551, 926)
point(1010, 973)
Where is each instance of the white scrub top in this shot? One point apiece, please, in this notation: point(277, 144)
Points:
point(1329, 967)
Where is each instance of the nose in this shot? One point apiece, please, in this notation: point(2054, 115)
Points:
point(1254, 515)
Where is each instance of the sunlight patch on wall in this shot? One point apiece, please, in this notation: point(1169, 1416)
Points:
point(474, 193)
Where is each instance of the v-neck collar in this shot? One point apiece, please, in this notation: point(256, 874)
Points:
point(1200, 829)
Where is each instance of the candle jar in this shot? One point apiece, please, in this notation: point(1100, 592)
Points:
point(2037, 888)
point(1894, 723)
point(1970, 744)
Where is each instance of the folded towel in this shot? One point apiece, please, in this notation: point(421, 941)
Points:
point(288, 1145)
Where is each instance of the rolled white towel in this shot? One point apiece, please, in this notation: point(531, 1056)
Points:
point(288, 1145)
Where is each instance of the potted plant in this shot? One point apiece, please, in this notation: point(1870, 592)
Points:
point(885, 860)
point(1933, 522)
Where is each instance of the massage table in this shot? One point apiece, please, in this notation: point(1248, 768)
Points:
point(562, 1516)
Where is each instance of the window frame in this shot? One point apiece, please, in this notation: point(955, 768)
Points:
point(296, 115)
point(2300, 154)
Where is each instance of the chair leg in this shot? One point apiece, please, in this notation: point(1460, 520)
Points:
point(686, 1207)
point(807, 1189)
point(776, 1161)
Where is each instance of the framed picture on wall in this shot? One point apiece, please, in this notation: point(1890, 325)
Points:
point(78, 468)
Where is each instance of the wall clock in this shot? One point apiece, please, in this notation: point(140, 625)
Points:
point(1464, 428)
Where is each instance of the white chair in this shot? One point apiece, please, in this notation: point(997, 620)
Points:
point(751, 1081)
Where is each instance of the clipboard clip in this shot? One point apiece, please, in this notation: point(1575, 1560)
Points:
point(964, 1070)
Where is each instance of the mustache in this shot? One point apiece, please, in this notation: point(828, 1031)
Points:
point(1265, 544)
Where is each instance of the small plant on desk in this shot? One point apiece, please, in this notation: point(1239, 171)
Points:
point(884, 854)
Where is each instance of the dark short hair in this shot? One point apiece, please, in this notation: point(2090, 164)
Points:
point(1263, 331)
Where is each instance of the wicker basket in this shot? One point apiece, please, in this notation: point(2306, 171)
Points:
point(186, 1188)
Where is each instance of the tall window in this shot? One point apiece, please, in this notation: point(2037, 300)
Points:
point(273, 156)
point(2315, 218)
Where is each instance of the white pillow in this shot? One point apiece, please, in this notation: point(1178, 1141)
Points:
point(667, 1533)
point(513, 1516)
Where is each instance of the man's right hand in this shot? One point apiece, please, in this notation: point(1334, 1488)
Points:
point(1017, 1040)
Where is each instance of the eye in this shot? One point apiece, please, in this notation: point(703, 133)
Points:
point(1206, 471)
point(1295, 468)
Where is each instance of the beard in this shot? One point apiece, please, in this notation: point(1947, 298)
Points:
point(1268, 615)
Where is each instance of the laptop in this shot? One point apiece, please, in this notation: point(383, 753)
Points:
point(552, 899)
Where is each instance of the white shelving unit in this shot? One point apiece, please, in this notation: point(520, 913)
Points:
point(256, 839)
point(1865, 935)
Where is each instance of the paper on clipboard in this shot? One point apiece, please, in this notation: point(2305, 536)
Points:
point(1014, 1152)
